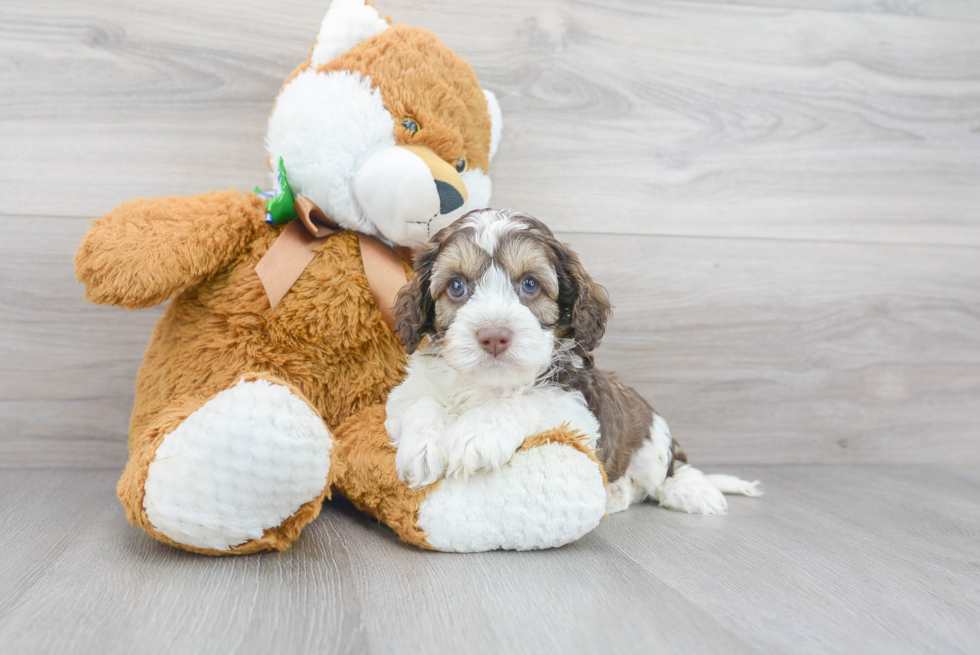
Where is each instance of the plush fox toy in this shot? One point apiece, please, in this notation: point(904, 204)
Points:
point(263, 390)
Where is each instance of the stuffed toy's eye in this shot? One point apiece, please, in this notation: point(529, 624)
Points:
point(457, 288)
point(410, 125)
point(460, 165)
point(529, 286)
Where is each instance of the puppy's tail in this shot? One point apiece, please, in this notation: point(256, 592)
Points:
point(729, 484)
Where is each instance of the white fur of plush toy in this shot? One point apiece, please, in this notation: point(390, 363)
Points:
point(334, 134)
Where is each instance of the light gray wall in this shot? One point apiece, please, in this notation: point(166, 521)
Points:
point(784, 203)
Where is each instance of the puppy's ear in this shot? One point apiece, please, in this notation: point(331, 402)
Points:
point(414, 309)
point(592, 308)
point(584, 303)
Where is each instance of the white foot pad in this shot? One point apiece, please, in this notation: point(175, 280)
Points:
point(242, 463)
point(544, 497)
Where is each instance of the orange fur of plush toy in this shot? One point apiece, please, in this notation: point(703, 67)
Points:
point(326, 335)
point(326, 340)
point(414, 69)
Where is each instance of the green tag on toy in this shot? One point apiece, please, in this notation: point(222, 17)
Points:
point(281, 207)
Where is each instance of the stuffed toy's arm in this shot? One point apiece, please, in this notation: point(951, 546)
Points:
point(550, 493)
point(147, 251)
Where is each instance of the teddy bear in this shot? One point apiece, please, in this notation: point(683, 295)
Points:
point(262, 390)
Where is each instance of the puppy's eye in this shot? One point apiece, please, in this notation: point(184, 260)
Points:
point(457, 288)
point(410, 125)
point(529, 286)
point(460, 165)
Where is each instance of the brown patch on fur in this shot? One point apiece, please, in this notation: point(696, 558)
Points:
point(624, 416)
point(523, 254)
point(583, 304)
point(459, 257)
point(414, 308)
point(676, 455)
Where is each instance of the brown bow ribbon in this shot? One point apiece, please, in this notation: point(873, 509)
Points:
point(295, 248)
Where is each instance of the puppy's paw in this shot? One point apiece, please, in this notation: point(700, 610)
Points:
point(419, 460)
point(619, 495)
point(481, 441)
point(688, 490)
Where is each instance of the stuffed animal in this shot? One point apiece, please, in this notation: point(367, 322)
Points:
point(262, 390)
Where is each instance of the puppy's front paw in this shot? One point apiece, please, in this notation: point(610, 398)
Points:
point(481, 441)
point(419, 460)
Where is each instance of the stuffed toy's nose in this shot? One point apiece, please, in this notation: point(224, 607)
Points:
point(408, 193)
point(449, 197)
point(449, 185)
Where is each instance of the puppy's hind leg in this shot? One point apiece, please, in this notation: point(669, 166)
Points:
point(686, 489)
point(690, 490)
point(677, 485)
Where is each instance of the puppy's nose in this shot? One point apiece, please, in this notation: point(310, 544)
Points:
point(494, 340)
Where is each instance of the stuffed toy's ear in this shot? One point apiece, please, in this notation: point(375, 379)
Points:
point(347, 23)
point(496, 121)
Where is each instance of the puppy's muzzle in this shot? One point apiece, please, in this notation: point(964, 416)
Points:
point(494, 340)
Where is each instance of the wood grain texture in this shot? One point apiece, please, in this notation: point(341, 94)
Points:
point(938, 9)
point(661, 118)
point(848, 559)
point(781, 197)
point(756, 351)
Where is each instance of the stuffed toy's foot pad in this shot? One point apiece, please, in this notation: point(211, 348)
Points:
point(547, 496)
point(244, 462)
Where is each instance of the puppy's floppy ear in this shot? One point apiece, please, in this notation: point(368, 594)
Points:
point(414, 310)
point(592, 308)
point(583, 303)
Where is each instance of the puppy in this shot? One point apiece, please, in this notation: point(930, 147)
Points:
point(500, 322)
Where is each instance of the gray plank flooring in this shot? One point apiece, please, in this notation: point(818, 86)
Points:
point(835, 559)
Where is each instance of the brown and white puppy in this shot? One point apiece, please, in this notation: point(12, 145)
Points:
point(511, 318)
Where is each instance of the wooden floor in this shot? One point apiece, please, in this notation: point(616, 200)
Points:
point(835, 559)
point(783, 198)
